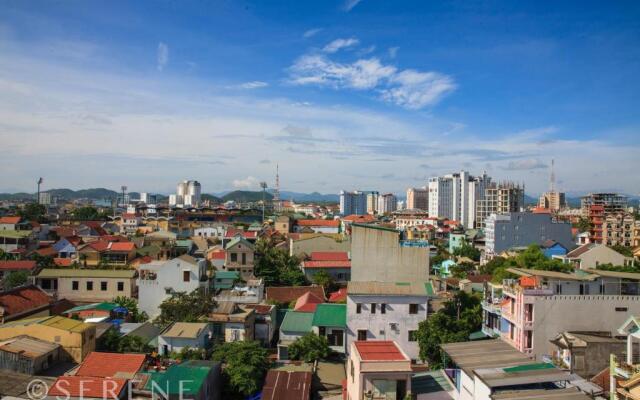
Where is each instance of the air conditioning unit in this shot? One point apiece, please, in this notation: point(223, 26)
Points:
point(393, 326)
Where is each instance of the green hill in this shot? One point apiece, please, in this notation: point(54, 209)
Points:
point(246, 196)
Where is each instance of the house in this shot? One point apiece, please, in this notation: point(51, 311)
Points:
point(492, 370)
point(586, 353)
point(81, 387)
point(213, 231)
point(287, 294)
point(265, 322)
point(189, 380)
point(104, 310)
point(387, 311)
point(76, 338)
point(295, 325)
point(377, 369)
point(307, 302)
point(339, 296)
point(336, 264)
point(23, 302)
point(216, 257)
point(552, 248)
point(157, 281)
point(11, 240)
point(239, 254)
point(88, 285)
point(179, 335)
point(231, 233)
point(231, 322)
point(129, 223)
point(144, 330)
point(225, 279)
point(28, 355)
point(9, 223)
point(317, 225)
point(99, 252)
point(67, 247)
point(251, 292)
point(9, 266)
point(591, 255)
point(330, 321)
point(283, 224)
point(290, 385)
point(106, 365)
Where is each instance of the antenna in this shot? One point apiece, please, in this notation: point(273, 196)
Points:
point(276, 192)
point(263, 185)
point(39, 183)
point(553, 177)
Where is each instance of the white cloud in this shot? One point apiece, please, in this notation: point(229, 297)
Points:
point(249, 182)
point(311, 32)
point(416, 89)
point(163, 55)
point(253, 85)
point(339, 44)
point(526, 164)
point(393, 52)
point(349, 4)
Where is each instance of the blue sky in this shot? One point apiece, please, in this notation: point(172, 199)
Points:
point(341, 94)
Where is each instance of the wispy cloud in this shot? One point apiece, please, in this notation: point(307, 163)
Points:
point(415, 90)
point(311, 32)
point(253, 85)
point(349, 4)
point(393, 52)
point(163, 56)
point(249, 182)
point(526, 164)
point(339, 44)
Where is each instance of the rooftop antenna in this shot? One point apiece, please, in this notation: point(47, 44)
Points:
point(39, 183)
point(553, 177)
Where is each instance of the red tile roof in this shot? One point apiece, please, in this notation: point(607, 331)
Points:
point(63, 262)
point(122, 246)
point(217, 255)
point(106, 365)
point(262, 309)
point(10, 265)
point(47, 251)
point(286, 294)
point(247, 235)
point(287, 385)
point(340, 295)
point(359, 218)
point(10, 220)
point(329, 256)
point(99, 245)
point(87, 387)
point(379, 350)
point(308, 302)
point(326, 264)
point(23, 299)
point(129, 216)
point(319, 222)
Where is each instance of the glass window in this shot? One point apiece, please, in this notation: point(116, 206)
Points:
point(186, 276)
point(75, 285)
point(362, 334)
point(89, 285)
point(373, 308)
point(383, 308)
point(120, 286)
point(413, 336)
point(358, 308)
point(413, 308)
point(103, 286)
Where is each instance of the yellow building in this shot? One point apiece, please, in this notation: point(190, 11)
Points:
point(76, 338)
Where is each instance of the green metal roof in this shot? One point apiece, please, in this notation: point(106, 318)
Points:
point(94, 306)
point(429, 288)
point(295, 321)
point(477, 335)
point(189, 376)
point(184, 243)
point(330, 315)
point(227, 275)
point(86, 273)
point(528, 367)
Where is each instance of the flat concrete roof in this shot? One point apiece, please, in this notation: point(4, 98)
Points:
point(557, 394)
point(484, 354)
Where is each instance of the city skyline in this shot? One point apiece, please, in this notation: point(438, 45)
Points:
point(441, 88)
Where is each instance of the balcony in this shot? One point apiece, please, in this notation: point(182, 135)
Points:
point(492, 305)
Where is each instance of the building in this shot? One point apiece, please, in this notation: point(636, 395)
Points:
point(287, 294)
point(372, 203)
point(239, 257)
point(521, 229)
point(378, 370)
point(24, 301)
point(586, 353)
point(329, 226)
point(552, 201)
point(418, 198)
point(596, 206)
point(541, 304)
point(28, 355)
point(180, 335)
point(188, 194)
point(352, 203)
point(306, 244)
point(455, 196)
point(387, 203)
point(231, 322)
point(491, 370)
point(283, 224)
point(380, 254)
point(76, 338)
point(330, 321)
point(9, 266)
point(499, 198)
point(105, 365)
point(192, 380)
point(265, 322)
point(294, 326)
point(592, 255)
point(157, 281)
point(45, 199)
point(88, 285)
point(387, 311)
point(82, 387)
point(618, 229)
point(9, 223)
point(336, 264)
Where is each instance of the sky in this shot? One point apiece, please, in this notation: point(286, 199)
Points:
point(340, 94)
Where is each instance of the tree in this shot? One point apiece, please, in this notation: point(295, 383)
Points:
point(583, 225)
point(33, 212)
point(459, 317)
point(188, 353)
point(625, 251)
point(461, 270)
point(114, 342)
point(322, 278)
point(43, 261)
point(276, 266)
point(246, 364)
point(310, 348)
point(185, 307)
point(467, 250)
point(15, 279)
point(132, 306)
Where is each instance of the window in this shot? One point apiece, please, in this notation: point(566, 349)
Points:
point(120, 286)
point(621, 309)
point(234, 257)
point(413, 308)
point(383, 308)
point(186, 276)
point(103, 286)
point(244, 258)
point(413, 336)
point(75, 285)
point(362, 334)
point(373, 308)
point(558, 288)
point(358, 308)
point(322, 331)
point(89, 285)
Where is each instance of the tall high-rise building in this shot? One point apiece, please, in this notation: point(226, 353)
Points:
point(387, 203)
point(188, 194)
point(552, 200)
point(596, 207)
point(353, 203)
point(418, 198)
point(455, 196)
point(499, 198)
point(372, 203)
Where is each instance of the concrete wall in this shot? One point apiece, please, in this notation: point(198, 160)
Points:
point(75, 345)
point(65, 289)
point(376, 255)
point(523, 229)
point(319, 243)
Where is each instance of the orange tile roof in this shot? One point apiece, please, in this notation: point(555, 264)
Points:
point(308, 302)
point(63, 262)
point(23, 299)
point(217, 255)
point(379, 350)
point(106, 365)
point(47, 251)
point(329, 256)
point(359, 218)
point(122, 246)
point(10, 220)
point(340, 295)
point(319, 222)
point(87, 387)
point(286, 294)
point(13, 265)
point(327, 264)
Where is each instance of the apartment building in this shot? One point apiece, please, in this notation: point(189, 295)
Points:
point(353, 203)
point(618, 229)
point(387, 203)
point(595, 208)
point(455, 196)
point(239, 256)
point(372, 203)
point(541, 304)
point(499, 198)
point(418, 198)
point(87, 285)
point(387, 311)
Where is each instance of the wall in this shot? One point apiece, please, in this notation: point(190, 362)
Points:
point(177, 344)
point(65, 289)
point(320, 243)
point(523, 229)
point(376, 255)
point(75, 345)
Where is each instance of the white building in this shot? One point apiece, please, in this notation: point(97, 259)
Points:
point(387, 203)
point(158, 280)
point(455, 196)
point(387, 311)
point(179, 335)
point(212, 231)
point(188, 194)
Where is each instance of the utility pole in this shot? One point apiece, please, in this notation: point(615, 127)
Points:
point(263, 185)
point(38, 195)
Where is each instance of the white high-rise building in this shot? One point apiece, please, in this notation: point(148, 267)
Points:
point(188, 194)
point(387, 203)
point(372, 203)
point(455, 196)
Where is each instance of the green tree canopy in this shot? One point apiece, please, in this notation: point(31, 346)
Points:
point(276, 266)
point(33, 212)
point(322, 278)
point(309, 348)
point(185, 307)
point(467, 250)
point(88, 213)
point(132, 306)
point(246, 364)
point(15, 279)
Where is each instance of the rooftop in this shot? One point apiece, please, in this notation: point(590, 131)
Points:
point(308, 302)
point(334, 315)
point(106, 365)
point(484, 354)
point(188, 330)
point(329, 256)
point(27, 346)
point(287, 385)
point(297, 322)
point(333, 223)
point(541, 394)
point(286, 294)
point(66, 324)
point(83, 387)
point(23, 299)
point(188, 376)
point(379, 350)
point(553, 274)
point(89, 273)
point(26, 265)
point(388, 288)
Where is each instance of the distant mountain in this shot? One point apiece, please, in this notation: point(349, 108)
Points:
point(212, 198)
point(245, 196)
point(16, 196)
point(310, 197)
